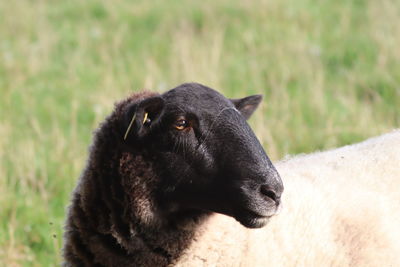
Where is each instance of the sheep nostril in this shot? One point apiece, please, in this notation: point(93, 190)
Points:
point(270, 193)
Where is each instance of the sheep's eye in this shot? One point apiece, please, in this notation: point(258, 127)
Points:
point(181, 124)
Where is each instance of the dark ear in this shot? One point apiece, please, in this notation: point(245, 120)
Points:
point(141, 117)
point(247, 105)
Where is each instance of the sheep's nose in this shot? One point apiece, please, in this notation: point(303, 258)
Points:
point(269, 192)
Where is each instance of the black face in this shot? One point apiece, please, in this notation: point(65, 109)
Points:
point(209, 158)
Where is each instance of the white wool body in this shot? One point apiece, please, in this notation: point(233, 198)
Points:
point(340, 208)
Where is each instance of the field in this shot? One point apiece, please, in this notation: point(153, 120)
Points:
point(329, 72)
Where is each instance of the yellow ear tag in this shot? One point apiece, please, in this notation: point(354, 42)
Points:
point(130, 125)
point(145, 117)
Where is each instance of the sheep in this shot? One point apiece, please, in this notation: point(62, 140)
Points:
point(340, 207)
point(159, 167)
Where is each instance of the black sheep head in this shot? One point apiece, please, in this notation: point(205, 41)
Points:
point(207, 157)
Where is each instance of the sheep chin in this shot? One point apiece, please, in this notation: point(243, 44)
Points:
point(253, 221)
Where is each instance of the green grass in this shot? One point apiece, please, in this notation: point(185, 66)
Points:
point(329, 71)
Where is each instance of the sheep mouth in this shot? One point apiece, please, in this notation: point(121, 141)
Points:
point(251, 219)
point(254, 212)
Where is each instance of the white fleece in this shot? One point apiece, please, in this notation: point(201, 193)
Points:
point(340, 208)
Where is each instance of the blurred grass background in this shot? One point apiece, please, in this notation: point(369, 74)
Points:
point(329, 71)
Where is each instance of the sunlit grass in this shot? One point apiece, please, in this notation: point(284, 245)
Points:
point(329, 71)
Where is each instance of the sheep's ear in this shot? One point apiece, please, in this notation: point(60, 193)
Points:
point(143, 116)
point(247, 105)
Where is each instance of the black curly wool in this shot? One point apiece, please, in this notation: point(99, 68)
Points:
point(112, 220)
